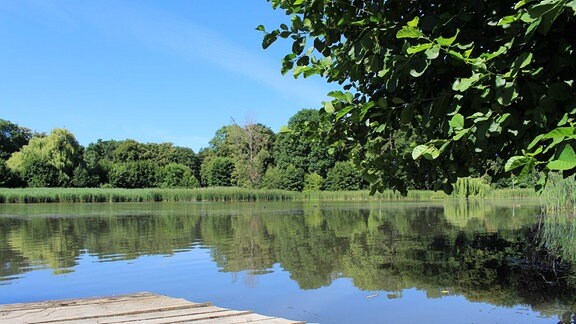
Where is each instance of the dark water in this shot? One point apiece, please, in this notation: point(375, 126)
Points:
point(449, 262)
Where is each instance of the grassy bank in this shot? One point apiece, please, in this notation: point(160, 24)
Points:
point(97, 195)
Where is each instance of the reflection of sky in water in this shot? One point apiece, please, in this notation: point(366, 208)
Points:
point(193, 276)
point(186, 267)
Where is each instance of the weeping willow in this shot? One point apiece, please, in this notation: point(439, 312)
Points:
point(471, 187)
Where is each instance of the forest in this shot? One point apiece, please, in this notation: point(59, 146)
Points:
point(250, 156)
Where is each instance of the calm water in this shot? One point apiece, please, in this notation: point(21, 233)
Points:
point(450, 262)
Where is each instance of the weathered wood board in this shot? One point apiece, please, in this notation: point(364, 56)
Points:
point(142, 307)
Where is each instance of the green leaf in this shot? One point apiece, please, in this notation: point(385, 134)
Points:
point(549, 18)
point(419, 67)
point(433, 52)
point(535, 141)
point(406, 115)
point(329, 107)
point(461, 134)
point(520, 4)
point(507, 94)
point(260, 28)
point(269, 39)
point(515, 162)
point(337, 94)
point(507, 20)
point(464, 83)
point(564, 120)
point(428, 151)
point(298, 45)
point(559, 133)
point(457, 122)
point(298, 2)
point(409, 32)
point(527, 169)
point(414, 22)
point(566, 160)
point(382, 103)
point(558, 136)
point(499, 81)
point(525, 59)
point(503, 118)
point(418, 48)
point(500, 51)
point(344, 112)
point(447, 41)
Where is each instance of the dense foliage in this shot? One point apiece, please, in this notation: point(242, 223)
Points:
point(251, 156)
point(440, 88)
point(12, 138)
point(47, 161)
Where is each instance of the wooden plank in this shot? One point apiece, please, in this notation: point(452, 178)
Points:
point(194, 317)
point(79, 301)
point(146, 308)
point(249, 318)
point(160, 315)
point(124, 307)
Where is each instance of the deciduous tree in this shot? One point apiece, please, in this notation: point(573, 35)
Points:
point(12, 138)
point(466, 81)
point(48, 161)
point(303, 151)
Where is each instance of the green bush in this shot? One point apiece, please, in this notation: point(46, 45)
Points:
point(217, 172)
point(175, 175)
point(343, 176)
point(139, 174)
point(313, 182)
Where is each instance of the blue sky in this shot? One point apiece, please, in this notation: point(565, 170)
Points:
point(154, 71)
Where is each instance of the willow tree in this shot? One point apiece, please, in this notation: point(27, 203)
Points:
point(47, 161)
point(472, 86)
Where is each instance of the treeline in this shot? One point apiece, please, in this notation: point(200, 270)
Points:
point(249, 156)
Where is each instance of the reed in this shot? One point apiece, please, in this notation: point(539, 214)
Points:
point(517, 193)
point(96, 195)
point(559, 195)
point(363, 195)
point(218, 194)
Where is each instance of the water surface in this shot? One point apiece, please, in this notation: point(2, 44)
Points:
point(362, 262)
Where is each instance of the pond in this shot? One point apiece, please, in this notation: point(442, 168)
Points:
point(355, 262)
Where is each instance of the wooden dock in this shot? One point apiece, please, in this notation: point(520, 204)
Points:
point(135, 308)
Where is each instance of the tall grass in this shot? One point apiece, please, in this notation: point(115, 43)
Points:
point(559, 196)
point(512, 193)
point(99, 195)
point(360, 195)
point(95, 195)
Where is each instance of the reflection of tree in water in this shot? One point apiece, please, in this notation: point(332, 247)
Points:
point(491, 256)
point(246, 247)
point(12, 262)
point(557, 234)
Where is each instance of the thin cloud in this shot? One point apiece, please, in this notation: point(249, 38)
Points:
point(165, 32)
